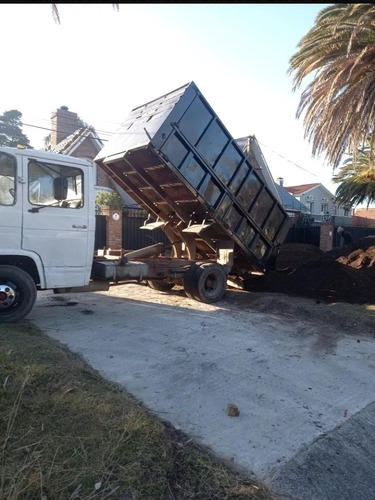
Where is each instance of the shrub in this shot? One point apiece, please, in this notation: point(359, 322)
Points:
point(109, 198)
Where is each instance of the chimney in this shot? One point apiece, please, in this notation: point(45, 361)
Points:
point(63, 123)
point(281, 181)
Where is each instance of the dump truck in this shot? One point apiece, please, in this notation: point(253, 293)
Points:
point(175, 158)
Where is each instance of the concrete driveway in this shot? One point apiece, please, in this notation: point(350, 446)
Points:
point(307, 419)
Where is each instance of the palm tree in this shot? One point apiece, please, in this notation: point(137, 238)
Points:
point(56, 14)
point(357, 179)
point(338, 53)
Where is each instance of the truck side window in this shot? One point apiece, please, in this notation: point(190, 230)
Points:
point(43, 179)
point(7, 179)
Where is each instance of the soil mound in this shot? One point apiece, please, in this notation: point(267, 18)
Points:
point(294, 255)
point(344, 274)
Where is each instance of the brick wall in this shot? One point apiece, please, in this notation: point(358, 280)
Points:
point(364, 217)
point(63, 123)
point(114, 227)
point(86, 150)
point(102, 179)
point(326, 236)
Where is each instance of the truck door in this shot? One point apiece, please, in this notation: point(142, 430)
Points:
point(10, 204)
point(57, 220)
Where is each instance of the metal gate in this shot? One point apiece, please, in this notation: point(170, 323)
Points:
point(308, 235)
point(100, 231)
point(133, 237)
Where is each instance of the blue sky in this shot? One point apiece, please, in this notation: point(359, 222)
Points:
point(102, 63)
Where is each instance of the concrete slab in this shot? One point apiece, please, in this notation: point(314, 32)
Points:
point(186, 361)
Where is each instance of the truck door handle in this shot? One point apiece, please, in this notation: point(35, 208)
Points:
point(79, 227)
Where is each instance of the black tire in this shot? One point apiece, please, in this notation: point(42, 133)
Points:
point(17, 294)
point(209, 282)
point(189, 280)
point(160, 285)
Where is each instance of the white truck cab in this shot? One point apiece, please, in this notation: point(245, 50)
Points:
point(47, 225)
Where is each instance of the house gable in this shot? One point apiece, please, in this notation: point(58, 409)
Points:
point(82, 143)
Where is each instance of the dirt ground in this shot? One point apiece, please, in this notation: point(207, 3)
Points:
point(344, 274)
point(330, 291)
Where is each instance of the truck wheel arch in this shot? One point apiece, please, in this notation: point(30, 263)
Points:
point(29, 263)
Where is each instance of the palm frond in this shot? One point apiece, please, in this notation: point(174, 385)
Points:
point(356, 178)
point(338, 106)
point(56, 14)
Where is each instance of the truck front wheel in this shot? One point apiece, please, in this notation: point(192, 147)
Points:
point(17, 294)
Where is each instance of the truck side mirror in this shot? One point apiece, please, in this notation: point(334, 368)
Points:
point(60, 188)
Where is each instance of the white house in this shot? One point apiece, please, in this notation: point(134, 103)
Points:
point(319, 201)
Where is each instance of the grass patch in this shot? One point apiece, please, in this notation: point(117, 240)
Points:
point(66, 433)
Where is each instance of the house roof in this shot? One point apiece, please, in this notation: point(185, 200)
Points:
point(289, 201)
point(302, 188)
point(70, 143)
point(251, 149)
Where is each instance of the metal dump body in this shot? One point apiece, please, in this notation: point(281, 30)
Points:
point(177, 160)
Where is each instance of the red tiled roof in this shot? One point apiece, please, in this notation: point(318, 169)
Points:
point(302, 188)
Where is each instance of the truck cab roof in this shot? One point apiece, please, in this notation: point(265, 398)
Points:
point(46, 155)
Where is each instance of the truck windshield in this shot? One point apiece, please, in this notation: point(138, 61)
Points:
point(7, 179)
point(42, 183)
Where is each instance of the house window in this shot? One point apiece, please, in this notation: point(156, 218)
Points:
point(310, 206)
point(346, 211)
point(324, 208)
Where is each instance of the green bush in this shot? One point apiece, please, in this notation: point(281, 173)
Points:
point(109, 198)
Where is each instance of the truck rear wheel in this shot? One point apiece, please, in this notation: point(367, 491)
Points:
point(160, 285)
point(17, 294)
point(189, 280)
point(206, 282)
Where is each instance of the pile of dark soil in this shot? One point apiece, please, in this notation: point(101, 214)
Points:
point(344, 274)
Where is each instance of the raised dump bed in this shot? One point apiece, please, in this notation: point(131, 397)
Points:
point(176, 159)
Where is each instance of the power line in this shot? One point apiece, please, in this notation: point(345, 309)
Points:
point(64, 131)
point(111, 133)
point(286, 159)
point(115, 124)
point(70, 133)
